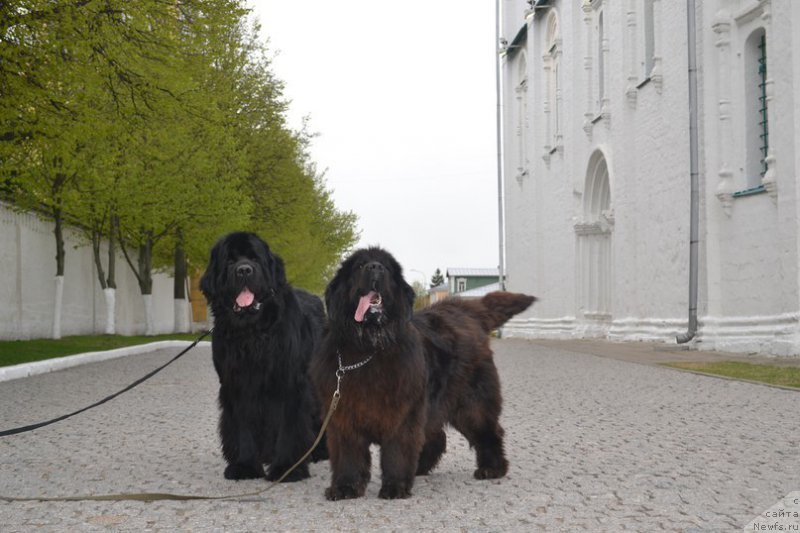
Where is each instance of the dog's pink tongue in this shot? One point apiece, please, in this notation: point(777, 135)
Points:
point(245, 298)
point(363, 305)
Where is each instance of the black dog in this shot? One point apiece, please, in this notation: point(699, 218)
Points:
point(264, 334)
point(410, 375)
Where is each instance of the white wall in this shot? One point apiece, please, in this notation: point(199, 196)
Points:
point(752, 274)
point(27, 282)
point(749, 275)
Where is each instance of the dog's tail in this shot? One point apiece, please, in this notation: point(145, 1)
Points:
point(499, 307)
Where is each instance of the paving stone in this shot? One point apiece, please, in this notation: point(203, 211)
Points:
point(595, 444)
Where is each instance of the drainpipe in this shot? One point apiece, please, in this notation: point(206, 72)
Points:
point(499, 120)
point(694, 170)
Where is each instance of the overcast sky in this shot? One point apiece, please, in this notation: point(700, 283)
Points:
point(402, 96)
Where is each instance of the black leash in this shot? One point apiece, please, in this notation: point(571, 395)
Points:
point(160, 496)
point(139, 381)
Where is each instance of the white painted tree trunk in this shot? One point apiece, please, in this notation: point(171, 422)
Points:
point(57, 310)
point(149, 328)
point(182, 323)
point(111, 302)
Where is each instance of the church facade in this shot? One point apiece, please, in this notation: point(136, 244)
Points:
point(644, 148)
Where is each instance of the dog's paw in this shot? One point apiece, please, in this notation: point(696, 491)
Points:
point(343, 492)
point(491, 473)
point(298, 474)
point(394, 491)
point(240, 471)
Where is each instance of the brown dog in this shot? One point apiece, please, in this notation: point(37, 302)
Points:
point(419, 372)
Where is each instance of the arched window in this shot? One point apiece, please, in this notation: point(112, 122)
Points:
point(596, 66)
point(744, 92)
point(553, 58)
point(597, 195)
point(756, 121)
point(595, 259)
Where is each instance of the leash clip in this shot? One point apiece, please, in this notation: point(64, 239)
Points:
point(337, 393)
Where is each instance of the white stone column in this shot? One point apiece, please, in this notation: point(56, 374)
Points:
point(605, 103)
point(521, 110)
point(725, 186)
point(588, 115)
point(548, 127)
point(558, 112)
point(633, 57)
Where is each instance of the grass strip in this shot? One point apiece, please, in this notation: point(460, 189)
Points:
point(771, 374)
point(17, 352)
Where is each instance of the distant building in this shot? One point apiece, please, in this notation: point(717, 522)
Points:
point(480, 292)
point(440, 292)
point(597, 105)
point(462, 280)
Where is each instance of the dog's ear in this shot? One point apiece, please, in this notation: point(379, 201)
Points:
point(333, 299)
point(408, 297)
point(277, 271)
point(209, 282)
point(271, 263)
point(407, 294)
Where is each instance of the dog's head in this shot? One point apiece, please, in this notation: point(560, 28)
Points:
point(369, 293)
point(242, 276)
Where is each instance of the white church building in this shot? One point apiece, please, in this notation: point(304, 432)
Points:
point(615, 199)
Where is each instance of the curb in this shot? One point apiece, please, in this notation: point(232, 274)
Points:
point(24, 370)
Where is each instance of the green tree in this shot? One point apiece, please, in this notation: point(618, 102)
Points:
point(47, 115)
point(157, 126)
point(184, 175)
point(437, 278)
point(71, 71)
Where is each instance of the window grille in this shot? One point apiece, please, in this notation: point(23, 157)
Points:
point(762, 103)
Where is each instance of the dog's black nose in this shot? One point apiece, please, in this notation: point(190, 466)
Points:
point(244, 270)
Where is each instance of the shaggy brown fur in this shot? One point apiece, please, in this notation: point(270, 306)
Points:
point(428, 369)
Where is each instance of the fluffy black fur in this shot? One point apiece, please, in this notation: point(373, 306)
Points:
point(427, 369)
point(261, 352)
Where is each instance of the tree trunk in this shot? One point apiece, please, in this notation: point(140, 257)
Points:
point(181, 324)
point(143, 273)
point(59, 296)
point(59, 286)
point(112, 251)
point(98, 264)
point(146, 282)
point(110, 296)
point(149, 322)
point(110, 290)
point(180, 268)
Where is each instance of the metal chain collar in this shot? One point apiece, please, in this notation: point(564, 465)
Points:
point(341, 371)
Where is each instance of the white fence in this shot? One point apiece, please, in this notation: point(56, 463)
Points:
point(27, 285)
